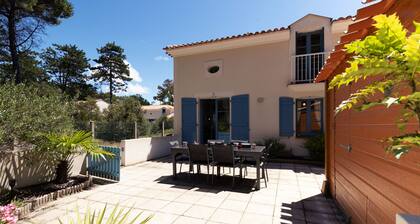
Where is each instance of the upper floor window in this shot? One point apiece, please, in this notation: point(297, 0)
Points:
point(311, 42)
point(163, 110)
point(309, 56)
point(213, 68)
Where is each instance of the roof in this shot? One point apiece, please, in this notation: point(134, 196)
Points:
point(362, 28)
point(154, 107)
point(239, 36)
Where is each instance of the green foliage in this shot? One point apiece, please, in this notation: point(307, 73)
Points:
point(390, 59)
point(26, 19)
point(117, 216)
point(119, 120)
point(67, 66)
point(29, 65)
point(60, 146)
point(316, 147)
point(275, 148)
point(157, 125)
point(112, 68)
point(165, 93)
point(28, 112)
point(84, 112)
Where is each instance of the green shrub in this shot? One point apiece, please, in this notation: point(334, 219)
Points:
point(316, 147)
point(119, 119)
point(157, 125)
point(29, 112)
point(275, 148)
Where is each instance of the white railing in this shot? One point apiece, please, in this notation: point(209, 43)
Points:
point(305, 67)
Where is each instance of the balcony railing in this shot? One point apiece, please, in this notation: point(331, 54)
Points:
point(305, 67)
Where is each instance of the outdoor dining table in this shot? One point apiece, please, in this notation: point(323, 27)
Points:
point(255, 153)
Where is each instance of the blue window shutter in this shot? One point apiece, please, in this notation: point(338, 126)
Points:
point(286, 116)
point(189, 119)
point(240, 117)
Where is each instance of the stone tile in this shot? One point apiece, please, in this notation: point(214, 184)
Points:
point(176, 208)
point(261, 199)
point(249, 218)
point(261, 209)
point(188, 220)
point(189, 198)
point(234, 205)
point(162, 218)
point(210, 202)
point(201, 212)
point(167, 195)
point(153, 205)
point(226, 216)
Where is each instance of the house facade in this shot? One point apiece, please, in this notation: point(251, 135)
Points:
point(369, 184)
point(256, 85)
point(154, 112)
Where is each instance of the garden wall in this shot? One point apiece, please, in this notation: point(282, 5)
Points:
point(31, 169)
point(143, 149)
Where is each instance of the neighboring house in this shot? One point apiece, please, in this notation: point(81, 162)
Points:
point(371, 185)
point(102, 105)
point(256, 85)
point(154, 112)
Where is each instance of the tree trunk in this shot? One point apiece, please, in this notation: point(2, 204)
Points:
point(62, 172)
point(12, 42)
point(110, 90)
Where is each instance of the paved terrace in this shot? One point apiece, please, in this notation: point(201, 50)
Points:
point(291, 196)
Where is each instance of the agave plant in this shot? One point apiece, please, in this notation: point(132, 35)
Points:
point(117, 216)
point(62, 146)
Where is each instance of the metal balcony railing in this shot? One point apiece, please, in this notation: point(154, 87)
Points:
point(305, 67)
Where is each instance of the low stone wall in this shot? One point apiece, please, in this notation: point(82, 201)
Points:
point(28, 168)
point(40, 201)
point(143, 149)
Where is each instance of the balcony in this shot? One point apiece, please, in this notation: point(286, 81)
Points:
point(305, 67)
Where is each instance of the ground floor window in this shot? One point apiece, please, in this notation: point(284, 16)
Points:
point(309, 120)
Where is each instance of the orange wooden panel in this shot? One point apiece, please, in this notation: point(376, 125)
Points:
point(373, 185)
point(354, 199)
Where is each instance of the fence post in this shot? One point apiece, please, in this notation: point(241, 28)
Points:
point(135, 129)
point(92, 128)
point(163, 128)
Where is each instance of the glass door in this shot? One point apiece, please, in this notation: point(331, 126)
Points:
point(223, 119)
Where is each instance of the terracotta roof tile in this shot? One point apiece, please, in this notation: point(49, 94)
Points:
point(176, 46)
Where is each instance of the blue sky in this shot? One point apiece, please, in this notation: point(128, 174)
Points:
point(144, 27)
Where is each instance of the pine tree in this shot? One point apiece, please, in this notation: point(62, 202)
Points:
point(22, 20)
point(67, 66)
point(111, 68)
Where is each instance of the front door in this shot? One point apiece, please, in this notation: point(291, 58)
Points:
point(215, 119)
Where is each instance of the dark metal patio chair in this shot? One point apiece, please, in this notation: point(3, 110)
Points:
point(246, 162)
point(180, 158)
point(223, 156)
point(198, 155)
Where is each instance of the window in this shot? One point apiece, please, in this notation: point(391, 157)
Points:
point(223, 112)
point(309, 119)
point(213, 68)
point(163, 110)
point(308, 43)
point(309, 57)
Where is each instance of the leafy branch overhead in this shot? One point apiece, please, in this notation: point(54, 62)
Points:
point(390, 59)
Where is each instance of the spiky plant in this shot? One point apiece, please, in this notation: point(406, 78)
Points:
point(117, 216)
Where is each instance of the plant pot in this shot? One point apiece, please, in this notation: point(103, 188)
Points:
point(62, 172)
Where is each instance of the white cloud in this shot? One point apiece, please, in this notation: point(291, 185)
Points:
point(134, 74)
point(162, 58)
point(136, 88)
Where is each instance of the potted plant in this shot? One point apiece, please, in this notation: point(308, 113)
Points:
point(62, 146)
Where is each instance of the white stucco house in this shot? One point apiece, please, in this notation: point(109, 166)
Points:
point(255, 85)
point(154, 112)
